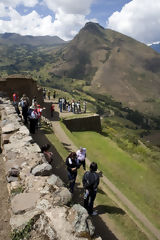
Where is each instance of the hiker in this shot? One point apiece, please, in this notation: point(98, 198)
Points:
point(52, 109)
point(81, 155)
point(54, 94)
point(33, 120)
point(44, 93)
point(60, 104)
point(48, 155)
point(72, 166)
point(15, 98)
point(49, 95)
point(39, 111)
point(90, 183)
point(34, 101)
point(24, 103)
point(84, 106)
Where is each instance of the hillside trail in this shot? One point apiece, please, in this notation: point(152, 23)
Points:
point(101, 221)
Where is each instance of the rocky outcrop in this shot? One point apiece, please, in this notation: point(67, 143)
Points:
point(39, 200)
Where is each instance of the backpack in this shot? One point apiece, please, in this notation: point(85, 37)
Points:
point(88, 181)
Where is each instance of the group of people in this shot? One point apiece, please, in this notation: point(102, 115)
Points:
point(73, 106)
point(47, 94)
point(90, 178)
point(74, 160)
point(31, 113)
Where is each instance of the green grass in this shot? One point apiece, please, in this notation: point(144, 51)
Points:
point(121, 222)
point(135, 179)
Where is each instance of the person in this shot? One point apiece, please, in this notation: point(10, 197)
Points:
point(90, 182)
point(81, 155)
point(54, 94)
point(84, 106)
point(15, 98)
point(52, 109)
point(33, 120)
point(34, 101)
point(44, 93)
point(24, 103)
point(39, 111)
point(48, 155)
point(49, 95)
point(72, 166)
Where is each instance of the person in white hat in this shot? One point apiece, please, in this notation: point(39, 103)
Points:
point(81, 155)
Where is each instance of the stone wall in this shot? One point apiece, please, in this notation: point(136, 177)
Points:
point(87, 123)
point(20, 85)
point(39, 200)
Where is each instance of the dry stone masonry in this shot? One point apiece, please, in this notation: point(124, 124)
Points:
point(38, 198)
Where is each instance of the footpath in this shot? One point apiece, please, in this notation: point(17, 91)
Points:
point(137, 216)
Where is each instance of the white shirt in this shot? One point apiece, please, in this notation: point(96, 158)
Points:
point(81, 154)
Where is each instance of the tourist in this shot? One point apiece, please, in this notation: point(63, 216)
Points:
point(34, 101)
point(48, 155)
point(84, 106)
point(33, 120)
point(72, 166)
point(44, 93)
point(15, 98)
point(54, 94)
point(90, 183)
point(39, 111)
point(52, 109)
point(24, 103)
point(49, 95)
point(81, 155)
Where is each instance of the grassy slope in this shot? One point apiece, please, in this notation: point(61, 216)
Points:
point(135, 179)
point(120, 223)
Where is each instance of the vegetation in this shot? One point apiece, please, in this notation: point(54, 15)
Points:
point(24, 233)
point(17, 190)
point(115, 215)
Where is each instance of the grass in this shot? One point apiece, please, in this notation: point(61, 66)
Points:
point(135, 179)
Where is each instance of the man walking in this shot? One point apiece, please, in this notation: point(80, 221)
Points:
point(90, 183)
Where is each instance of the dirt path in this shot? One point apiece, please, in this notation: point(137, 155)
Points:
point(4, 205)
point(139, 218)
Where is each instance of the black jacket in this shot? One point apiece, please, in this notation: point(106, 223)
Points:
point(71, 164)
point(90, 181)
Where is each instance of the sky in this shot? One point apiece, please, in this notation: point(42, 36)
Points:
point(139, 19)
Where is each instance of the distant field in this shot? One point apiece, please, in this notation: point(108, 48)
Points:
point(136, 180)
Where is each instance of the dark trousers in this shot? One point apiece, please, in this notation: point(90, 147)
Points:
point(82, 163)
point(72, 180)
point(89, 201)
point(25, 114)
point(33, 123)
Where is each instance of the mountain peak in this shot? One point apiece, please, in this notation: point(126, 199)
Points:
point(93, 28)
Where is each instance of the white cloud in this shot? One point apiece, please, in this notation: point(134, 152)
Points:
point(69, 18)
point(3, 10)
point(14, 3)
point(138, 19)
point(70, 6)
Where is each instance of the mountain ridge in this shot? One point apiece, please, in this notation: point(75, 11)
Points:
point(17, 39)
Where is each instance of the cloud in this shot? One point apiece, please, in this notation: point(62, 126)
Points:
point(14, 3)
point(69, 18)
point(3, 10)
point(138, 19)
point(81, 7)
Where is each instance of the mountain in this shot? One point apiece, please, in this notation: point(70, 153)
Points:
point(16, 39)
point(155, 46)
point(114, 64)
point(98, 61)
